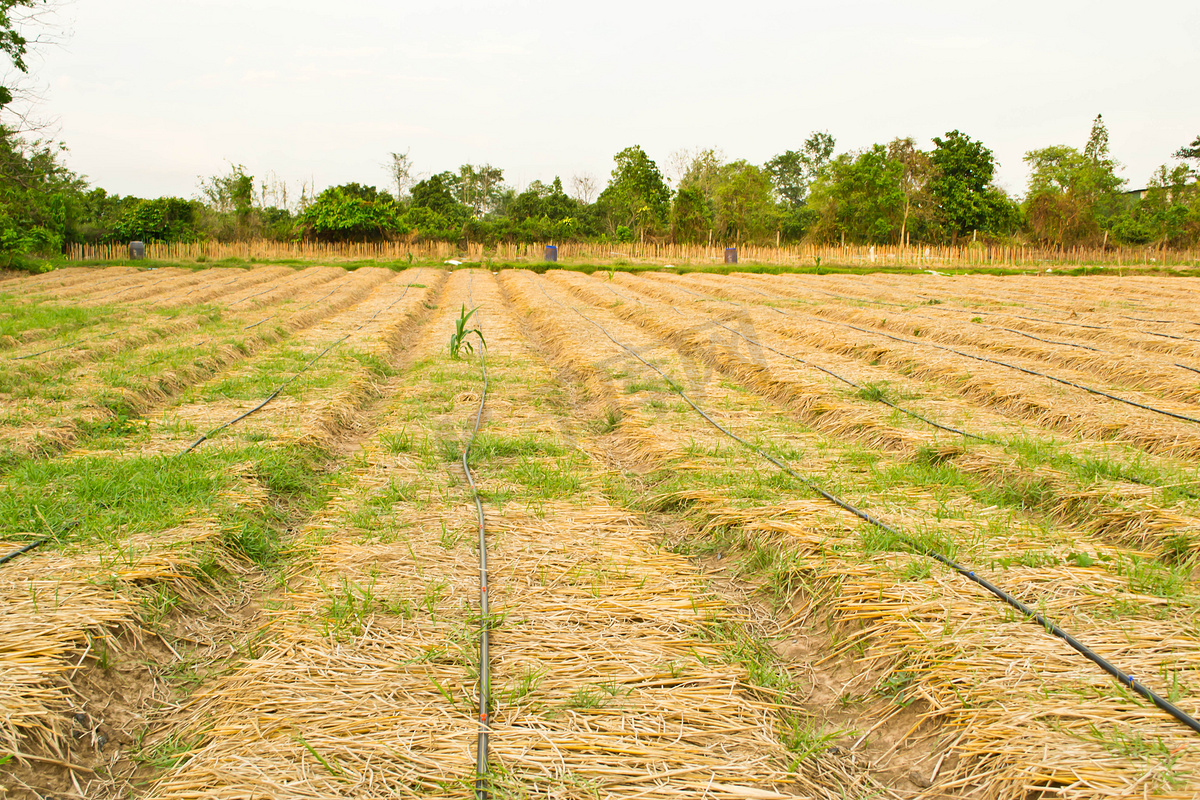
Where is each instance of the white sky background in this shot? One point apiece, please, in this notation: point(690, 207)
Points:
point(150, 94)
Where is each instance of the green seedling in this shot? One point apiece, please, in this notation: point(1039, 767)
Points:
point(459, 340)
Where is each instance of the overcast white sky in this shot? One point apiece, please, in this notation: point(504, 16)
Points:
point(150, 94)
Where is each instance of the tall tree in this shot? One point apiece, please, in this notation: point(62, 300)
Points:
point(691, 215)
point(960, 183)
point(400, 172)
point(793, 171)
point(1073, 196)
point(13, 42)
point(1190, 152)
point(742, 204)
point(703, 172)
point(858, 196)
point(915, 170)
point(636, 197)
point(478, 188)
point(1098, 183)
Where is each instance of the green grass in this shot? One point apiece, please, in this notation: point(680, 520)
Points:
point(19, 318)
point(104, 498)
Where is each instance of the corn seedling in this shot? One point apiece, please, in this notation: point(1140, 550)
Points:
point(459, 340)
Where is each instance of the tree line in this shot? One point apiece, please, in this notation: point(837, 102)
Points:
point(893, 193)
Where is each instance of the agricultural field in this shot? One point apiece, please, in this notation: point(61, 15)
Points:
point(251, 559)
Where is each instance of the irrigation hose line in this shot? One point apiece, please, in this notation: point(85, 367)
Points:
point(485, 670)
point(940, 307)
point(31, 546)
point(260, 406)
point(63, 346)
point(239, 418)
point(1122, 677)
point(1027, 371)
point(297, 311)
point(36, 543)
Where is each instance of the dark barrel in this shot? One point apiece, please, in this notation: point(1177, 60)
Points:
point(551, 253)
point(137, 250)
point(730, 255)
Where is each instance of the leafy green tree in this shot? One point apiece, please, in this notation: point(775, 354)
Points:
point(858, 196)
point(165, 219)
point(13, 42)
point(636, 197)
point(793, 171)
point(691, 215)
point(704, 172)
point(743, 208)
point(1073, 196)
point(341, 214)
point(39, 198)
point(230, 196)
point(916, 169)
point(477, 188)
point(787, 177)
point(960, 187)
point(433, 194)
point(542, 201)
point(1168, 215)
point(1098, 184)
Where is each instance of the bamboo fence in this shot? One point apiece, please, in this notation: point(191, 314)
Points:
point(976, 255)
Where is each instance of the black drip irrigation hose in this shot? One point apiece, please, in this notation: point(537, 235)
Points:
point(1160, 321)
point(485, 669)
point(1036, 338)
point(289, 381)
point(263, 404)
point(63, 346)
point(265, 291)
point(1049, 626)
point(31, 546)
point(884, 400)
point(940, 307)
point(968, 311)
point(35, 543)
point(260, 322)
point(294, 313)
point(1127, 478)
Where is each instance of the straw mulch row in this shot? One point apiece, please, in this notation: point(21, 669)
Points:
point(75, 619)
point(604, 680)
point(1024, 713)
point(142, 380)
point(1083, 318)
point(1123, 512)
point(1133, 298)
point(66, 612)
point(1114, 369)
point(187, 288)
point(1020, 396)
